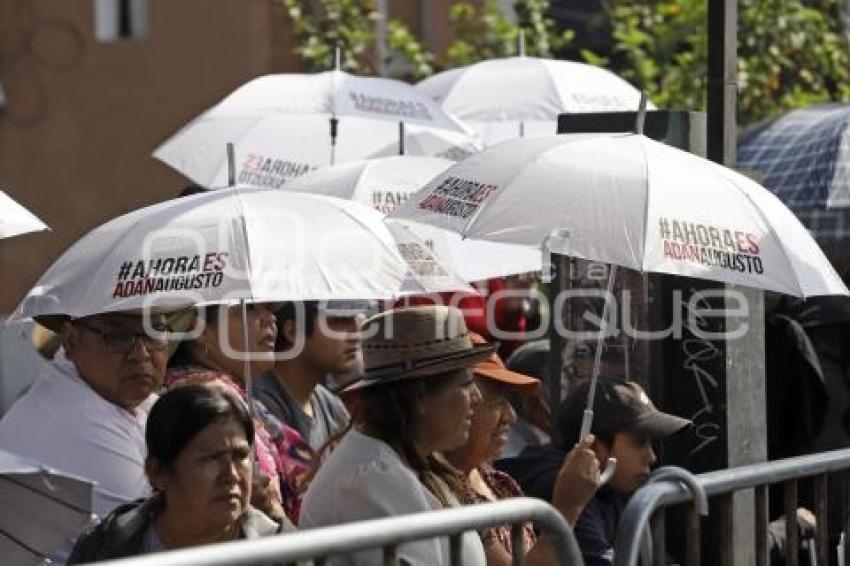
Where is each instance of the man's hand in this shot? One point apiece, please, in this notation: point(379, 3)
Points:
point(577, 481)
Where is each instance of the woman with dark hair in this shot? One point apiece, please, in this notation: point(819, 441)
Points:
point(199, 440)
point(415, 399)
point(283, 457)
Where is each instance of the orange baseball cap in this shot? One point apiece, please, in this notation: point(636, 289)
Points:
point(493, 368)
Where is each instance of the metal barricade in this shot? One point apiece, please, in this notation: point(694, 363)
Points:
point(386, 533)
point(646, 507)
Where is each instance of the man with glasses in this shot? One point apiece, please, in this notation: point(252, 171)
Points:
point(86, 413)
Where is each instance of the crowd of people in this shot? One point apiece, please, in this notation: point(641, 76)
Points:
point(343, 412)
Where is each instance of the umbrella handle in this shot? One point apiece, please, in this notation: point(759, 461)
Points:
point(611, 466)
point(609, 471)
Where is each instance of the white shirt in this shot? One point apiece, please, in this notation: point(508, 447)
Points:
point(62, 423)
point(365, 479)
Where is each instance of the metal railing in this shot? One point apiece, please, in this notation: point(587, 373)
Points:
point(670, 486)
point(386, 533)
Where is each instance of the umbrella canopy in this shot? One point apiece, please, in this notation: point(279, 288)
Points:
point(234, 244)
point(628, 200)
point(15, 219)
point(803, 155)
point(499, 97)
point(284, 125)
point(42, 509)
point(388, 182)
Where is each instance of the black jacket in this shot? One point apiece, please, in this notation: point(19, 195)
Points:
point(121, 533)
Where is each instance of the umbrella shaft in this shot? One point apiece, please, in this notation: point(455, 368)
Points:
point(603, 330)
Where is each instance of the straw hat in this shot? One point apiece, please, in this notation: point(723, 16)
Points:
point(415, 342)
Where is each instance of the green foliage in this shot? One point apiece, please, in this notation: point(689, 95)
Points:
point(789, 54)
point(479, 33)
point(403, 43)
point(487, 32)
point(321, 26)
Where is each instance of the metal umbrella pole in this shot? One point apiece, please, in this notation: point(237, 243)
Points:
point(246, 375)
point(587, 417)
point(231, 165)
point(334, 121)
point(246, 358)
point(521, 40)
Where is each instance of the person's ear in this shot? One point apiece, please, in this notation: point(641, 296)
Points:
point(157, 476)
point(289, 330)
point(69, 337)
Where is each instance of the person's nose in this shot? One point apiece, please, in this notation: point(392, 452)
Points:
point(266, 316)
point(231, 472)
point(139, 350)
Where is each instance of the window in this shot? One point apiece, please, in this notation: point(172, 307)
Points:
point(116, 20)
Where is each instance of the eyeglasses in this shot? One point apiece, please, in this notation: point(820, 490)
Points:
point(122, 341)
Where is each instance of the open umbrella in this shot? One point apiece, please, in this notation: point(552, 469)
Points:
point(284, 125)
point(507, 98)
point(628, 200)
point(631, 201)
point(42, 509)
point(388, 182)
point(236, 244)
point(804, 157)
point(15, 219)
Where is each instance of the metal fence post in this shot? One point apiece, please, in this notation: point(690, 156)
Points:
point(761, 519)
point(792, 538)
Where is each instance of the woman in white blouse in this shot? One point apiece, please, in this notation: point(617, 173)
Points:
point(416, 398)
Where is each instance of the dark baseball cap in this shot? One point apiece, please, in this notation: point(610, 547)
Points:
point(619, 406)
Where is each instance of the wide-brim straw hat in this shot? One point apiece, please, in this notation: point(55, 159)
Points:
point(413, 342)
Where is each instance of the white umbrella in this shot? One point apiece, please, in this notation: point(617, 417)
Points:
point(628, 200)
point(42, 509)
point(507, 98)
point(284, 125)
point(238, 244)
point(631, 201)
point(15, 219)
point(388, 182)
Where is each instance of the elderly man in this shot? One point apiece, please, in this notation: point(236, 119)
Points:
point(86, 412)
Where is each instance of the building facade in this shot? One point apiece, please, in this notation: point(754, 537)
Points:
point(88, 89)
